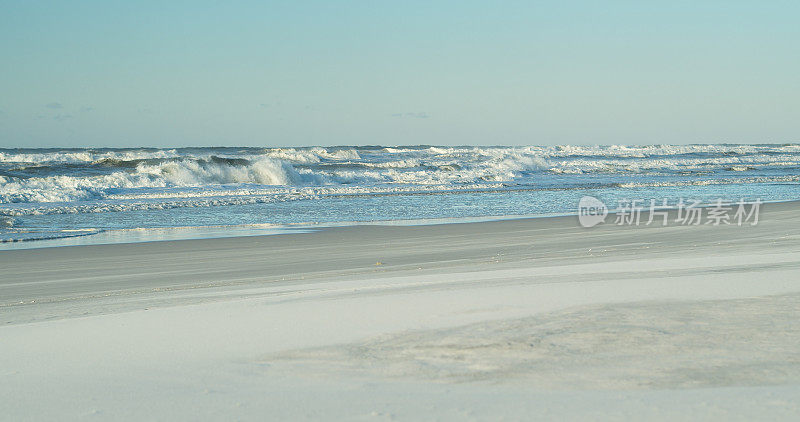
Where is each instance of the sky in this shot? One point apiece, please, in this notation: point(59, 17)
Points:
point(293, 73)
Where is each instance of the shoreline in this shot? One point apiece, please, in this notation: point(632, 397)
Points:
point(147, 235)
point(171, 234)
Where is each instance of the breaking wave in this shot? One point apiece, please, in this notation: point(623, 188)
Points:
point(186, 172)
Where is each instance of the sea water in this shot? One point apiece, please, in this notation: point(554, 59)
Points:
point(112, 195)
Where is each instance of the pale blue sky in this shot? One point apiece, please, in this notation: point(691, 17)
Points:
point(275, 73)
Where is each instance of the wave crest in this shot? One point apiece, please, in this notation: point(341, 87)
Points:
point(264, 171)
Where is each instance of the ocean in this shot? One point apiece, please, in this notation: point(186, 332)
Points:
point(102, 195)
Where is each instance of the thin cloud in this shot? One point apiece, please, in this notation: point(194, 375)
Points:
point(414, 115)
point(54, 106)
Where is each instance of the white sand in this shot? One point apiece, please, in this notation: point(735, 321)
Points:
point(514, 320)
